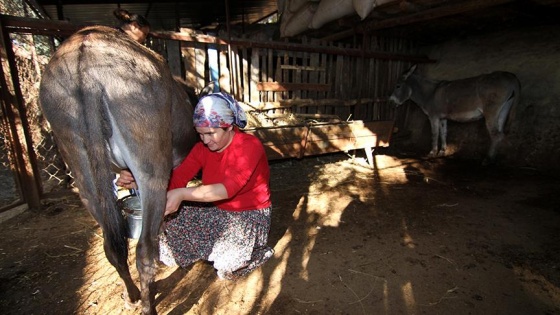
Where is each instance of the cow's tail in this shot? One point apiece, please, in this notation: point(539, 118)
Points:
point(96, 119)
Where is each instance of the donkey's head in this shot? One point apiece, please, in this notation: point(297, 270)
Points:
point(403, 90)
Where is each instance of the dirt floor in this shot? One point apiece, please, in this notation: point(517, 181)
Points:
point(411, 236)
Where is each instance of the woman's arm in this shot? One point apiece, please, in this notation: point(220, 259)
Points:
point(203, 193)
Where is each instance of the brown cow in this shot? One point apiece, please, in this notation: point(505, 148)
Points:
point(112, 102)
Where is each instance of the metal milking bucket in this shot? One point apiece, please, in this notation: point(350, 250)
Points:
point(132, 211)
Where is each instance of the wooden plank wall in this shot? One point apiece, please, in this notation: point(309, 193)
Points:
point(364, 83)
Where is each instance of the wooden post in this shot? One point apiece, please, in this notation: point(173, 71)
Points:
point(246, 75)
point(254, 76)
point(25, 158)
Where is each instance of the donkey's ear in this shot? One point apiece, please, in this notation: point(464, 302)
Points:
point(410, 71)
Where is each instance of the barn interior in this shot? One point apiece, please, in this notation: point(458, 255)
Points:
point(295, 60)
point(328, 75)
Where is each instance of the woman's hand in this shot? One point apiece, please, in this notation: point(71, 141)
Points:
point(174, 199)
point(126, 180)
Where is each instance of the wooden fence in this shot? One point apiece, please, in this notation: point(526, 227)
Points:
point(311, 77)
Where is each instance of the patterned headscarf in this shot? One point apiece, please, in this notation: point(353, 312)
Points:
point(218, 110)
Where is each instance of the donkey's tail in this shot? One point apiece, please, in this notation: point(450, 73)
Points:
point(512, 102)
point(98, 131)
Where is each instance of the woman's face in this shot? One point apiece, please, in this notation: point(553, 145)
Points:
point(216, 139)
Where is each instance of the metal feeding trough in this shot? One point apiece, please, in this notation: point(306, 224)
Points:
point(132, 211)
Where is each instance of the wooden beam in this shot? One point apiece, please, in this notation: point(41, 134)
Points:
point(305, 102)
point(340, 35)
point(430, 14)
point(324, 102)
point(189, 39)
point(285, 87)
point(16, 24)
point(302, 68)
point(62, 28)
point(38, 9)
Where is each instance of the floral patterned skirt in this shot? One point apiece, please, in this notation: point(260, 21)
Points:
point(235, 242)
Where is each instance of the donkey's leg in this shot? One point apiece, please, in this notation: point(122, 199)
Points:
point(118, 258)
point(495, 126)
point(443, 136)
point(98, 197)
point(434, 122)
point(496, 137)
point(115, 245)
point(154, 177)
point(147, 250)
